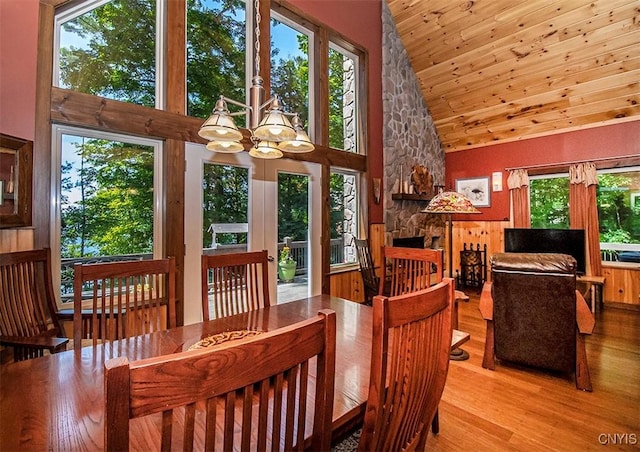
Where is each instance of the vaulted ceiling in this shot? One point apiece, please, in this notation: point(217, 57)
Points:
point(502, 70)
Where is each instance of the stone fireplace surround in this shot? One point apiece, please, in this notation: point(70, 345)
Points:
point(409, 138)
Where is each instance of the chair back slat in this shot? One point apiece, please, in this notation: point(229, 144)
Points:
point(409, 365)
point(370, 280)
point(27, 304)
point(410, 269)
point(272, 391)
point(234, 283)
point(124, 299)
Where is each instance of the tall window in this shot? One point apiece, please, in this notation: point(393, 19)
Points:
point(116, 49)
point(216, 48)
point(109, 189)
point(343, 108)
point(618, 198)
point(549, 198)
point(344, 216)
point(290, 66)
point(94, 52)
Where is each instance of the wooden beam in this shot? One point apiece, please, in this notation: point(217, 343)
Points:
point(41, 213)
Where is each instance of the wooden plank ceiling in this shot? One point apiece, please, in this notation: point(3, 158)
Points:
point(502, 70)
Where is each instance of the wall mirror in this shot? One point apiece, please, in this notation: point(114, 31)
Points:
point(16, 169)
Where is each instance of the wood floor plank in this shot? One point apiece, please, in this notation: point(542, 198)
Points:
point(518, 408)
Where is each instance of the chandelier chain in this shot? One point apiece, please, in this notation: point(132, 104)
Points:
point(257, 44)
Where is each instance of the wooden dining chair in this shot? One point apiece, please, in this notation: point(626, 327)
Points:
point(409, 365)
point(234, 283)
point(117, 300)
point(410, 269)
point(370, 280)
point(274, 388)
point(28, 323)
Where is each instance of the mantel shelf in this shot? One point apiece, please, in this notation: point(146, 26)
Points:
point(410, 197)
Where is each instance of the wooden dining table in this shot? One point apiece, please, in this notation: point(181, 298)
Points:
point(57, 402)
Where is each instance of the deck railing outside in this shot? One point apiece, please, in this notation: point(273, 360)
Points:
point(298, 252)
point(620, 252)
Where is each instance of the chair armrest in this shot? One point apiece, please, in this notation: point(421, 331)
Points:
point(461, 296)
point(50, 343)
point(486, 302)
point(584, 316)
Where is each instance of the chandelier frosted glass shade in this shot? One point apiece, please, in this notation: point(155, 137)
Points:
point(265, 150)
point(226, 147)
point(301, 143)
point(450, 202)
point(220, 126)
point(274, 127)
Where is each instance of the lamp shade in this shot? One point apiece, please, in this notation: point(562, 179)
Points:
point(265, 150)
point(450, 202)
point(274, 127)
point(226, 147)
point(301, 143)
point(220, 126)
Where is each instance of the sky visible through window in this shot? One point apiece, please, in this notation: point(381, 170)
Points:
point(284, 38)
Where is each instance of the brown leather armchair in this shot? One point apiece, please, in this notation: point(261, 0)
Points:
point(535, 316)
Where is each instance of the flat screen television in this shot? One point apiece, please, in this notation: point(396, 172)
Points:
point(565, 241)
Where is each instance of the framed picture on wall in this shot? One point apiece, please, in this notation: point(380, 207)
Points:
point(477, 189)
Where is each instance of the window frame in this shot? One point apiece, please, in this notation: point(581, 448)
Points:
point(179, 129)
point(292, 23)
point(550, 176)
point(615, 246)
point(359, 217)
point(57, 131)
point(341, 46)
point(604, 246)
point(66, 14)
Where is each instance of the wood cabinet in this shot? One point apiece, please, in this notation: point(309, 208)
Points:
point(622, 283)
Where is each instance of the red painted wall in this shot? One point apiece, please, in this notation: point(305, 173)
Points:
point(18, 53)
point(582, 145)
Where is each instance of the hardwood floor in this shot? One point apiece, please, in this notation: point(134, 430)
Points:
point(515, 408)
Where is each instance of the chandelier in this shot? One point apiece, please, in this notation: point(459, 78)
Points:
point(271, 130)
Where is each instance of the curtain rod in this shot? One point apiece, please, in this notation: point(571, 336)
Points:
point(555, 165)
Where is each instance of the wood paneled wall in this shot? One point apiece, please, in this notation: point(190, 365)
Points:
point(622, 282)
point(473, 233)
